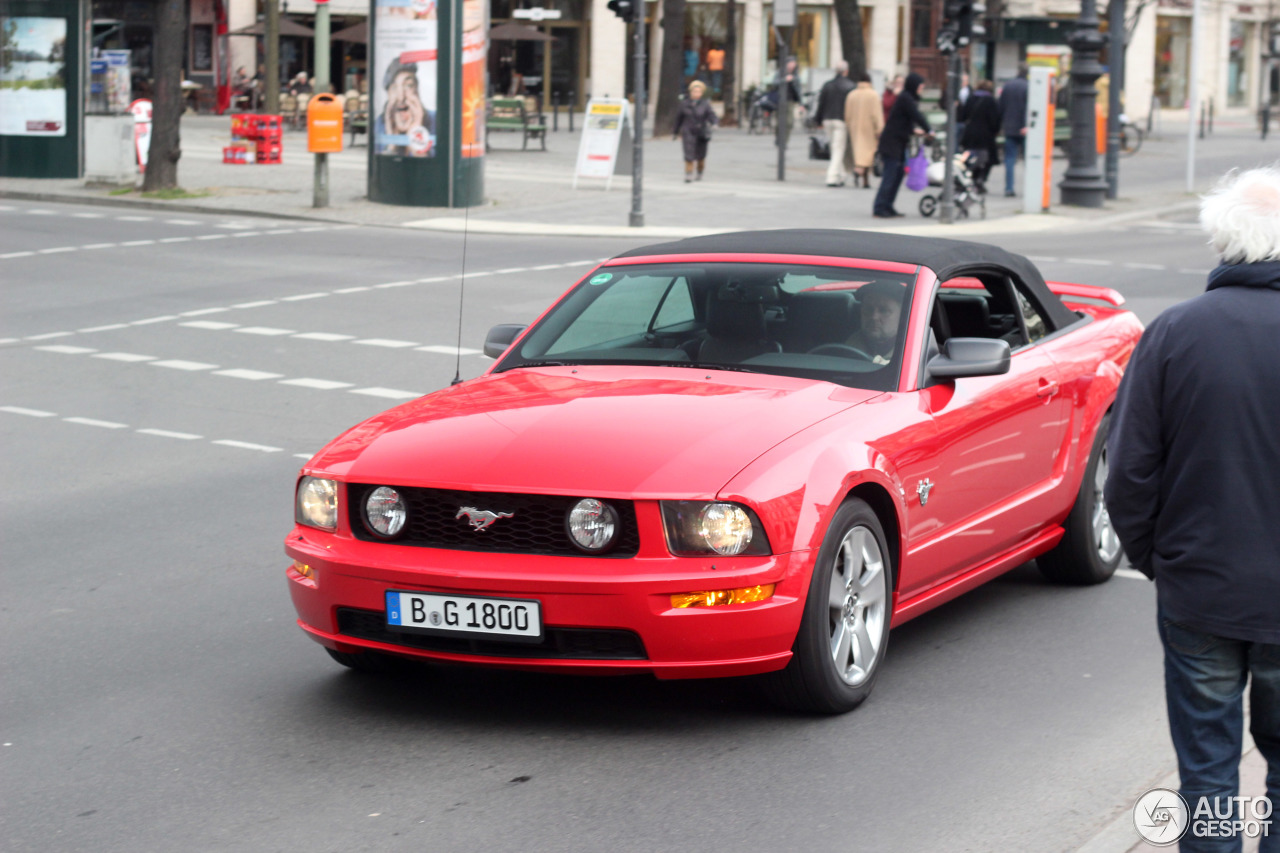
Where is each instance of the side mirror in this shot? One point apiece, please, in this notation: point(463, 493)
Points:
point(501, 337)
point(971, 357)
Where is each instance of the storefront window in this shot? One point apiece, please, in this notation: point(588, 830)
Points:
point(704, 37)
point(1173, 60)
point(810, 42)
point(1237, 73)
point(922, 23)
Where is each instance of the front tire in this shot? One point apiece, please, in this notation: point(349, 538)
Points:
point(844, 632)
point(1090, 551)
point(928, 204)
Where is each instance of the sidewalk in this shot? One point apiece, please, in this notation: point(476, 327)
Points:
point(531, 192)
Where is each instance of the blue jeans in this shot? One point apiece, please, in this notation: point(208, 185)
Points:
point(890, 181)
point(1204, 687)
point(1012, 148)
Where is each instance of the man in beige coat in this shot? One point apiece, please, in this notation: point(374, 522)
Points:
point(864, 117)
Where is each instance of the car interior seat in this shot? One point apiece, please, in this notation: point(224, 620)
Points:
point(736, 326)
point(820, 317)
point(967, 315)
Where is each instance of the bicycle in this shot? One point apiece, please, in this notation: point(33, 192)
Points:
point(760, 116)
point(1130, 137)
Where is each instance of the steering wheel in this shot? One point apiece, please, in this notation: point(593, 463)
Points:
point(843, 350)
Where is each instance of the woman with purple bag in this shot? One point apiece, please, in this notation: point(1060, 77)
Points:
point(905, 121)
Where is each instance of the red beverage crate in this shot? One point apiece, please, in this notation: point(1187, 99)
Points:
point(240, 125)
point(269, 152)
point(269, 126)
point(237, 154)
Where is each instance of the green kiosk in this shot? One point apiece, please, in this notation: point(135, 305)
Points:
point(427, 103)
point(41, 88)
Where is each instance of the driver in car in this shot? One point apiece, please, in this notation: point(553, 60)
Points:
point(881, 308)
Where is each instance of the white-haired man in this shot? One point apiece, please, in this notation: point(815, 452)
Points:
point(830, 111)
point(1194, 494)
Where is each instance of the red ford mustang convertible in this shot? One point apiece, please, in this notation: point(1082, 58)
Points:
point(750, 453)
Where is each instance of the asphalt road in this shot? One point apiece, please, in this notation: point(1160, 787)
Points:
point(163, 379)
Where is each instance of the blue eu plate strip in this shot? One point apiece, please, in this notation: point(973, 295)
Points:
point(393, 608)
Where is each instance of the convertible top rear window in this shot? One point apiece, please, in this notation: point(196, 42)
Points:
point(843, 324)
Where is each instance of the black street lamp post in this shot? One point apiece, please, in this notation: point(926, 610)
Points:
point(1083, 184)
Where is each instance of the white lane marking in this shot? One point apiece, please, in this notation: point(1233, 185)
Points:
point(268, 331)
point(147, 322)
point(8, 340)
point(247, 234)
point(353, 290)
point(181, 222)
point(236, 226)
point(1042, 259)
point(281, 231)
point(1133, 266)
point(67, 350)
point(258, 304)
point(384, 342)
point(58, 250)
point(323, 336)
point(436, 278)
point(388, 393)
point(31, 413)
point(450, 350)
point(213, 325)
point(134, 218)
point(41, 212)
point(394, 284)
point(318, 384)
point(1089, 262)
point(138, 243)
point(109, 327)
point(1132, 574)
point(244, 373)
point(201, 311)
point(244, 445)
point(127, 357)
point(88, 215)
point(303, 296)
point(213, 237)
point(176, 240)
point(179, 364)
point(96, 423)
point(303, 455)
point(48, 335)
point(164, 433)
point(17, 254)
point(99, 246)
point(313, 228)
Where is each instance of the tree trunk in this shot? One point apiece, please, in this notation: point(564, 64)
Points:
point(729, 86)
point(671, 72)
point(852, 41)
point(166, 96)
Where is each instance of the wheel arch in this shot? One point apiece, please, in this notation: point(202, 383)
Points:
point(886, 510)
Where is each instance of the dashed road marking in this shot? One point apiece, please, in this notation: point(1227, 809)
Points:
point(318, 384)
point(213, 325)
point(266, 331)
point(1131, 574)
point(323, 336)
point(96, 423)
point(31, 413)
point(252, 375)
point(165, 433)
point(50, 335)
point(245, 445)
point(127, 357)
point(179, 364)
point(107, 328)
point(67, 350)
point(387, 393)
point(147, 322)
point(389, 344)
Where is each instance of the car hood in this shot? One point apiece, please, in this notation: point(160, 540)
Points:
point(604, 431)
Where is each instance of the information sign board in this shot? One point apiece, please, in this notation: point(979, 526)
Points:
point(601, 133)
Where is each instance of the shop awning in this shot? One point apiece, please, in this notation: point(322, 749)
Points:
point(287, 28)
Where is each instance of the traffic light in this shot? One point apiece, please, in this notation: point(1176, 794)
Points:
point(949, 33)
point(624, 9)
point(971, 22)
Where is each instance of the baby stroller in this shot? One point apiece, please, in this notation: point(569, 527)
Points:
point(970, 190)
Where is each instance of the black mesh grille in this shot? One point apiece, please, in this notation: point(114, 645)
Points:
point(536, 525)
point(562, 643)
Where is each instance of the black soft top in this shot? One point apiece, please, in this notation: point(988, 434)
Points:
point(947, 258)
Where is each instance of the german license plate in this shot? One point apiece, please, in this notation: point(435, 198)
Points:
point(462, 614)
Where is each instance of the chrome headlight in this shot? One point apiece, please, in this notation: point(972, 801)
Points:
point(385, 512)
point(316, 504)
point(592, 525)
point(696, 528)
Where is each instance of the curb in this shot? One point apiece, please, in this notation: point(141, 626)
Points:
point(149, 204)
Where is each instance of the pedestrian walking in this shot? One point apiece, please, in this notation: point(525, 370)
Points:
point(1013, 111)
point(864, 119)
point(1194, 456)
point(905, 121)
point(694, 123)
point(789, 77)
point(981, 129)
point(830, 111)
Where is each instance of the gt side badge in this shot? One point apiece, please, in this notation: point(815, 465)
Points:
point(923, 490)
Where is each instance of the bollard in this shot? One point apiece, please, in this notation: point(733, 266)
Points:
point(1266, 119)
point(555, 110)
point(1202, 114)
point(571, 103)
point(1210, 116)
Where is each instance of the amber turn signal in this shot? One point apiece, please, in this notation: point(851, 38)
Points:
point(303, 569)
point(721, 597)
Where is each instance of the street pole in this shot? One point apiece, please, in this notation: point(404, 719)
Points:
point(1193, 96)
point(947, 214)
point(320, 194)
point(1115, 66)
point(1083, 184)
point(321, 50)
point(784, 106)
point(271, 76)
point(637, 124)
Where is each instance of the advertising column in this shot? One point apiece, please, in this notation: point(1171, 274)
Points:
point(41, 88)
point(427, 74)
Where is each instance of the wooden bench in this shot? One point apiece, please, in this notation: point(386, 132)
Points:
point(511, 114)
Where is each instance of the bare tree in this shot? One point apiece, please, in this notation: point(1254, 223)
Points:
point(166, 97)
point(671, 72)
point(852, 40)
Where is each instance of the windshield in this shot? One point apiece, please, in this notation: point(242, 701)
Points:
point(839, 324)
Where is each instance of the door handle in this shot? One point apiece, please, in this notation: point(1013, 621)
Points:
point(1047, 388)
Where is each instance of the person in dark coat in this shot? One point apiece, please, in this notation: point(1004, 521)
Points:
point(905, 121)
point(981, 127)
point(693, 125)
point(830, 112)
point(1194, 458)
point(1013, 115)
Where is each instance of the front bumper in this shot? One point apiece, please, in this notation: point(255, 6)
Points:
point(601, 615)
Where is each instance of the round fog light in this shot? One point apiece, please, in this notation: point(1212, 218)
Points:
point(592, 525)
point(385, 511)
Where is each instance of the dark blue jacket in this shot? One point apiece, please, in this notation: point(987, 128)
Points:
point(1013, 106)
point(1194, 456)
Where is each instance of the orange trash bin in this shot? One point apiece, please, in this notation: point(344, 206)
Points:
point(324, 124)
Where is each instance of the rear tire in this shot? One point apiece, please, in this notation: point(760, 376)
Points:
point(1090, 551)
point(844, 632)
